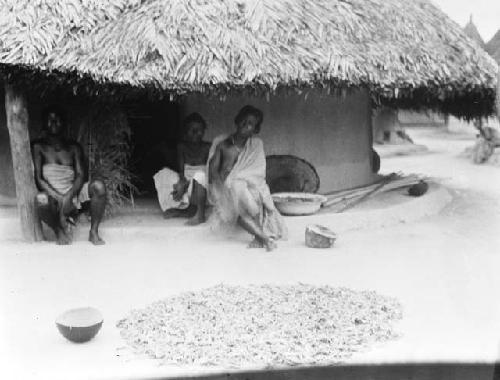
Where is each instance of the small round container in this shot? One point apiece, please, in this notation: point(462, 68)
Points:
point(319, 236)
point(298, 203)
point(80, 325)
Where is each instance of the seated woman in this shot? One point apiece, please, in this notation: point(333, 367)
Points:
point(183, 194)
point(237, 182)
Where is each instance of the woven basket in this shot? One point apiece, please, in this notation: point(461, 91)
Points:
point(286, 173)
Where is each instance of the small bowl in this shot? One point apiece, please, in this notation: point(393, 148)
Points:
point(298, 203)
point(80, 325)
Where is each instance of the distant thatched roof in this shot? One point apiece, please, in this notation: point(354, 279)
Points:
point(201, 45)
point(493, 47)
point(471, 30)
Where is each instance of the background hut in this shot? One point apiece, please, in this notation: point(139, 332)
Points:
point(315, 68)
point(493, 47)
point(471, 31)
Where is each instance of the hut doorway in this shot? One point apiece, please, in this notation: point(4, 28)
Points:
point(155, 131)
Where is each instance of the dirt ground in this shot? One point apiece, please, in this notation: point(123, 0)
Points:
point(443, 269)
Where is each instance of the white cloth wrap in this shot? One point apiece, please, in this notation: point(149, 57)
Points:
point(165, 179)
point(61, 178)
point(245, 191)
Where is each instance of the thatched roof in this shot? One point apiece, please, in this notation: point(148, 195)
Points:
point(399, 49)
point(31, 29)
point(471, 30)
point(493, 47)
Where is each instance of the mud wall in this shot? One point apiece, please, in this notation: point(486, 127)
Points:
point(331, 132)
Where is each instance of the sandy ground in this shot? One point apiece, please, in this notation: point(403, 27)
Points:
point(442, 268)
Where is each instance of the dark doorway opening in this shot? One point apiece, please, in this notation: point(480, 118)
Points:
point(155, 131)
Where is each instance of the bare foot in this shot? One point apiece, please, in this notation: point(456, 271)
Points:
point(270, 245)
point(195, 220)
point(95, 239)
point(171, 213)
point(190, 212)
point(180, 213)
point(62, 238)
point(256, 243)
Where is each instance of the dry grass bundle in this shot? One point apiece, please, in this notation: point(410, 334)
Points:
point(105, 134)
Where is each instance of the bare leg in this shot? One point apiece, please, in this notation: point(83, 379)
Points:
point(97, 192)
point(199, 198)
point(49, 213)
point(250, 209)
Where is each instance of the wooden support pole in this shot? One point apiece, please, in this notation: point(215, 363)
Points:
point(498, 95)
point(17, 124)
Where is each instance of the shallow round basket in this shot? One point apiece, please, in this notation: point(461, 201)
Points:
point(287, 173)
point(79, 325)
point(298, 203)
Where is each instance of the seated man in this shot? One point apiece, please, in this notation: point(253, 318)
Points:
point(60, 176)
point(237, 182)
point(183, 194)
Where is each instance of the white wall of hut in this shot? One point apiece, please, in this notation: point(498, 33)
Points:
point(332, 132)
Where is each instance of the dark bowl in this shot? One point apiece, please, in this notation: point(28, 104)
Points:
point(80, 325)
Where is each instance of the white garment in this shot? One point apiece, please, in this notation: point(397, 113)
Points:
point(61, 178)
point(165, 180)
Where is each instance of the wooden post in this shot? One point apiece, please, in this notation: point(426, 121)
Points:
point(17, 124)
point(498, 95)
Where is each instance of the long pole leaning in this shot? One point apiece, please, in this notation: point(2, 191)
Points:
point(498, 95)
point(17, 123)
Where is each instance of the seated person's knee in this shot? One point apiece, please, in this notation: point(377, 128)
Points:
point(199, 177)
point(247, 203)
point(42, 199)
point(97, 187)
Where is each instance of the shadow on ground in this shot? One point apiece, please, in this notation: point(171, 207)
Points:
point(414, 371)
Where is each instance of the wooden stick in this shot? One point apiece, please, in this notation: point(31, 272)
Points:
point(365, 196)
point(338, 192)
point(391, 182)
point(497, 99)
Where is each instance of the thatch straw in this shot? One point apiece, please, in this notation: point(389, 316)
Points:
point(31, 29)
point(194, 45)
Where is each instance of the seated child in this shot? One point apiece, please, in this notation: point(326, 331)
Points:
point(183, 194)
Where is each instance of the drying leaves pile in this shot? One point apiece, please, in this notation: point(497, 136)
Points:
point(266, 325)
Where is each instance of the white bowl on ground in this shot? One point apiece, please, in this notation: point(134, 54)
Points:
point(298, 203)
point(80, 325)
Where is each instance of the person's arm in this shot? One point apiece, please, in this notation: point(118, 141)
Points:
point(40, 181)
point(79, 172)
point(77, 182)
point(181, 160)
point(182, 184)
point(214, 165)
